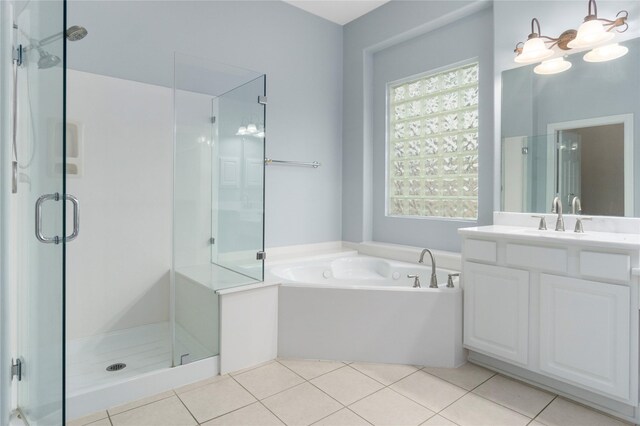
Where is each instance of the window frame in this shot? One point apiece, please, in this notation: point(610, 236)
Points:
point(387, 150)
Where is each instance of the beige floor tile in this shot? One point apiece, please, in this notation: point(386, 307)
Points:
point(301, 405)
point(268, 380)
point(253, 367)
point(310, 369)
point(91, 418)
point(472, 410)
point(103, 422)
point(438, 420)
point(216, 399)
point(467, 376)
point(139, 403)
point(430, 391)
point(251, 415)
point(562, 412)
point(344, 417)
point(166, 412)
point(535, 423)
point(347, 385)
point(387, 407)
point(516, 395)
point(199, 384)
point(384, 373)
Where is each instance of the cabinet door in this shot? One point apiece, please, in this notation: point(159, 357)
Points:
point(584, 333)
point(496, 311)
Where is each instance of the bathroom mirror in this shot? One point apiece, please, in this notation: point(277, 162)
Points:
point(572, 134)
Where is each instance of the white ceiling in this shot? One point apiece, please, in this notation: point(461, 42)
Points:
point(338, 11)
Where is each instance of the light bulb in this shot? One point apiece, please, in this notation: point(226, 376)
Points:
point(606, 53)
point(241, 131)
point(251, 129)
point(552, 66)
point(534, 50)
point(590, 33)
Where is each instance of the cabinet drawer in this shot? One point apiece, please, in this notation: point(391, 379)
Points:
point(606, 266)
point(540, 258)
point(484, 251)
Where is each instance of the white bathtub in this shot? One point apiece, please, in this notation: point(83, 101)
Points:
point(361, 308)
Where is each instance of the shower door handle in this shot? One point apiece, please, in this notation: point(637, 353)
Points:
point(76, 218)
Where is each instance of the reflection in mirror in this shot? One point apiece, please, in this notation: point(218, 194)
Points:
point(583, 145)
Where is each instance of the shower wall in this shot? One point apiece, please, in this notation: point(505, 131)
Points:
point(118, 268)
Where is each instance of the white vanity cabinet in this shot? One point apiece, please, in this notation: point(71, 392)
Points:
point(561, 312)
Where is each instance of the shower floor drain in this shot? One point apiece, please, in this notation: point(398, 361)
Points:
point(116, 367)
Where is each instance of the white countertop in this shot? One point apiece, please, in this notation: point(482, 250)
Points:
point(533, 235)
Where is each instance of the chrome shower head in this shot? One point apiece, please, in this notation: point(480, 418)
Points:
point(76, 33)
point(47, 60)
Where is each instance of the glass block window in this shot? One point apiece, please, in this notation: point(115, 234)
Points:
point(433, 145)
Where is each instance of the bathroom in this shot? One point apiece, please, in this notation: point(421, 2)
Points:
point(311, 212)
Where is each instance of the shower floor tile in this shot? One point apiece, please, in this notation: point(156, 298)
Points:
point(481, 398)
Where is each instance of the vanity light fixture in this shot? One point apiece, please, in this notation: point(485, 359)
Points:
point(534, 49)
point(594, 31)
point(606, 53)
point(552, 66)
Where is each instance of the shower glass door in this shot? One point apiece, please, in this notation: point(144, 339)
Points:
point(39, 266)
point(238, 187)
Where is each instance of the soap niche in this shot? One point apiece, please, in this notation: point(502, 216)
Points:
point(75, 150)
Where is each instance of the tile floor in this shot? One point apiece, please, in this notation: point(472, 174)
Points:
point(300, 392)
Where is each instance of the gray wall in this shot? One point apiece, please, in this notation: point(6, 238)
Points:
point(397, 40)
point(302, 57)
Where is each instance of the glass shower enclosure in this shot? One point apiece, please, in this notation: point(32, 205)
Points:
point(218, 206)
point(32, 78)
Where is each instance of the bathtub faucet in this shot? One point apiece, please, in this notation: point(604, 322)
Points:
point(434, 279)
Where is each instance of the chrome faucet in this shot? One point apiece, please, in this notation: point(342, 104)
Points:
point(556, 207)
point(434, 279)
point(576, 206)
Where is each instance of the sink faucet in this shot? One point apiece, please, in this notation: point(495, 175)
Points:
point(434, 279)
point(576, 206)
point(556, 207)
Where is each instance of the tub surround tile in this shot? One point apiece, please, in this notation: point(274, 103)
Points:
point(139, 403)
point(384, 373)
point(166, 412)
point(438, 420)
point(515, 395)
point(344, 417)
point(251, 415)
point(91, 418)
point(430, 391)
point(216, 399)
point(387, 407)
point(473, 410)
point(467, 376)
point(347, 385)
point(310, 369)
point(301, 405)
point(562, 412)
point(268, 380)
